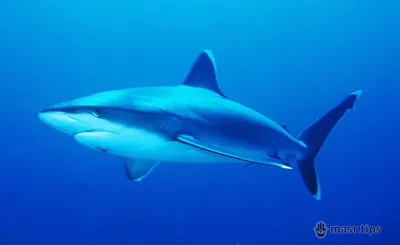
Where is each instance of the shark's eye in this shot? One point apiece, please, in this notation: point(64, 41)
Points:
point(96, 112)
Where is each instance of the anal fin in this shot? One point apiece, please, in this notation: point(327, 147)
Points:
point(137, 169)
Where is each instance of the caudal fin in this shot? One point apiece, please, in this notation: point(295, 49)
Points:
point(314, 137)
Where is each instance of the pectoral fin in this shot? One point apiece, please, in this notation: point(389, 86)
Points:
point(190, 140)
point(136, 169)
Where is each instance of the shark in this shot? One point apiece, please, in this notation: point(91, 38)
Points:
point(192, 122)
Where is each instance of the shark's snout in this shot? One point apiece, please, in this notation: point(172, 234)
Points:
point(61, 121)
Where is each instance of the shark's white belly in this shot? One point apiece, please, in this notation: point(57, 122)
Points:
point(138, 143)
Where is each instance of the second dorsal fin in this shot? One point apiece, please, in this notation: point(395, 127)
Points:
point(203, 73)
point(286, 128)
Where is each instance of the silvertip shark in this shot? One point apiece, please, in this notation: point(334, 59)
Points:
point(193, 122)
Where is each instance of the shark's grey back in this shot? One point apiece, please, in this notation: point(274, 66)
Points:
point(202, 107)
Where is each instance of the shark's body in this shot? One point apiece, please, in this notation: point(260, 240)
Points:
point(189, 123)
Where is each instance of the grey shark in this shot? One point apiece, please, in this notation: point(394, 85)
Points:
point(193, 122)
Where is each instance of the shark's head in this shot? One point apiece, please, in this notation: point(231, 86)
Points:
point(93, 120)
point(73, 120)
point(86, 114)
point(106, 121)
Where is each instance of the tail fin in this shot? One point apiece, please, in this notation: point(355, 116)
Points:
point(314, 137)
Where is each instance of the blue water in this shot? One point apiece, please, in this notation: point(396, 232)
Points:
point(291, 60)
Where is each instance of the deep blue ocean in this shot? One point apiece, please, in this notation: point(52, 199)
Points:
point(290, 60)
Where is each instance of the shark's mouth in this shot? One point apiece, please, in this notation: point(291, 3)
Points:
point(94, 133)
point(86, 131)
point(102, 149)
point(98, 140)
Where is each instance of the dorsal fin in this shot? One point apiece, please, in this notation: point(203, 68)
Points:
point(203, 73)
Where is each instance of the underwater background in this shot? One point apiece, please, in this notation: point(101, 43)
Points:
point(291, 60)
